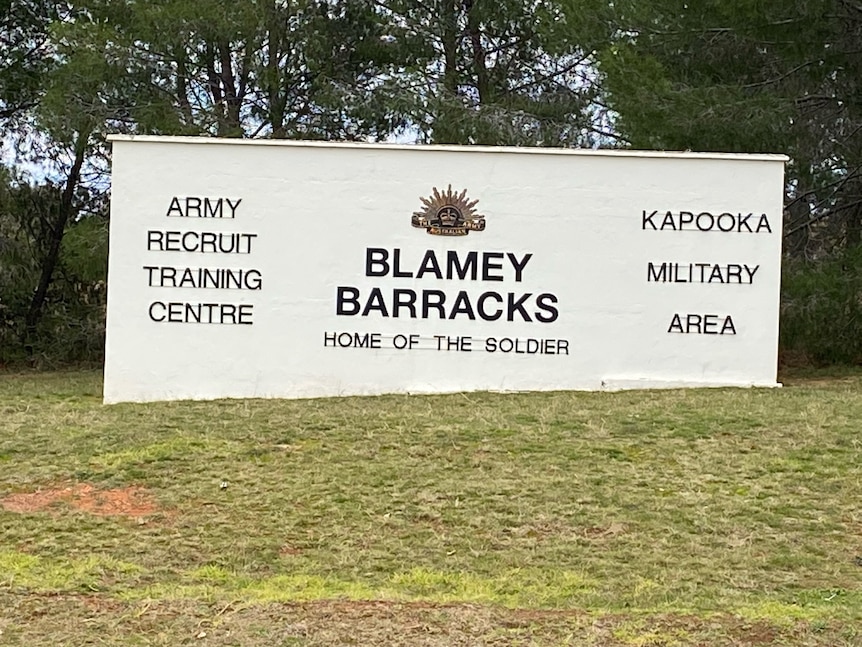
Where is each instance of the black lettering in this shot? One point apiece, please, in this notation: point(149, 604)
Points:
point(480, 304)
point(246, 310)
point(233, 206)
point(230, 249)
point(175, 312)
point(168, 274)
point(173, 240)
point(742, 221)
point(404, 298)
point(155, 238)
point(193, 203)
point(545, 301)
point(347, 301)
point(175, 206)
point(212, 209)
point(517, 305)
point(454, 267)
point(248, 238)
point(647, 220)
point(728, 328)
point(488, 265)
point(685, 218)
point(722, 218)
point(462, 306)
point(227, 310)
point(153, 306)
point(253, 280)
point(751, 272)
point(209, 240)
point(180, 243)
point(676, 324)
point(709, 218)
point(519, 265)
point(710, 323)
point(763, 223)
point(187, 277)
point(150, 269)
point(734, 271)
point(376, 258)
point(396, 265)
point(656, 276)
point(232, 280)
point(375, 302)
point(437, 303)
point(210, 278)
point(668, 222)
point(693, 321)
point(429, 265)
point(211, 307)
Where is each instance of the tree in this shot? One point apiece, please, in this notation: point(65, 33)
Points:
point(445, 71)
point(70, 301)
point(735, 75)
point(25, 52)
point(298, 68)
point(509, 72)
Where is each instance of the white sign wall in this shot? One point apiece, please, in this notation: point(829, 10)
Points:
point(296, 269)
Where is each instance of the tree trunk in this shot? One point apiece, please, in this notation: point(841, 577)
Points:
point(479, 63)
point(52, 256)
point(274, 85)
point(853, 213)
point(450, 47)
point(446, 127)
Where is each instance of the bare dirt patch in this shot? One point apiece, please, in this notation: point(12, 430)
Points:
point(126, 502)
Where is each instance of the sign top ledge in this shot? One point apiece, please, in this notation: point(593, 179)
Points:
point(524, 150)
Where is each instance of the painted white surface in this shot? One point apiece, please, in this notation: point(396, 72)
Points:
point(314, 210)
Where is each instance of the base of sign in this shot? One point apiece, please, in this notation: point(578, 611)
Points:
point(608, 384)
point(629, 384)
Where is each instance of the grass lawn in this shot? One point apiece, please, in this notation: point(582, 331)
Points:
point(704, 517)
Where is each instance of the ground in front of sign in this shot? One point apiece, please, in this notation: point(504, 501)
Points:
point(715, 517)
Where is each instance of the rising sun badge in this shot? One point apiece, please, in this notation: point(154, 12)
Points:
point(448, 214)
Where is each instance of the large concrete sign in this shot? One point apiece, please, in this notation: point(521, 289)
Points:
point(297, 269)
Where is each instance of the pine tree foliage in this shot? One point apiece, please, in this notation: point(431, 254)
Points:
point(25, 52)
point(781, 76)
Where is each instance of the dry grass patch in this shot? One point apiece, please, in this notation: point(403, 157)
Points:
point(68, 619)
